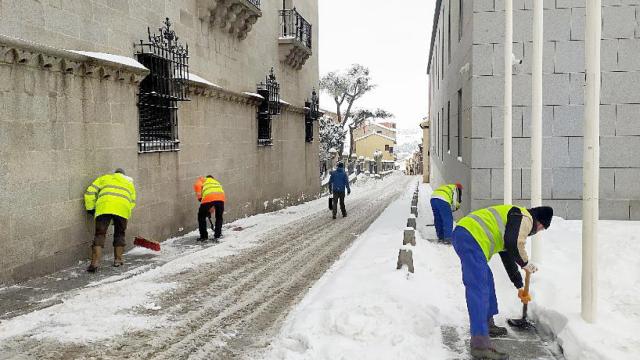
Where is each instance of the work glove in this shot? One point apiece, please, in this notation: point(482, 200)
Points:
point(349, 192)
point(91, 212)
point(530, 267)
point(525, 297)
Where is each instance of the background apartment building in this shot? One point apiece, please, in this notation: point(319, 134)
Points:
point(466, 96)
point(371, 136)
point(168, 90)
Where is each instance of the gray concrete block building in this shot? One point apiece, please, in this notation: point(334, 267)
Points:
point(466, 72)
point(87, 86)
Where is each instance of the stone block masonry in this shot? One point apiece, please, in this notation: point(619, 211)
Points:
point(563, 112)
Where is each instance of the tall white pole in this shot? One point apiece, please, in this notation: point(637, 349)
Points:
point(536, 120)
point(591, 161)
point(508, 142)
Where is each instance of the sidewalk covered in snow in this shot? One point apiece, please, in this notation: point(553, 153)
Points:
point(365, 309)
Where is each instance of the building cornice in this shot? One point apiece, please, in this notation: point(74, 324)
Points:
point(436, 18)
point(27, 53)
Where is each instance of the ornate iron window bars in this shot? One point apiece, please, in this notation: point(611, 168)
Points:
point(293, 25)
point(270, 106)
point(312, 113)
point(255, 3)
point(160, 91)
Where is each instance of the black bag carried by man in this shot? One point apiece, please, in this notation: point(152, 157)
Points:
point(330, 203)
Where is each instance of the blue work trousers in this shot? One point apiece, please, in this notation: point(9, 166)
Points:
point(478, 281)
point(442, 218)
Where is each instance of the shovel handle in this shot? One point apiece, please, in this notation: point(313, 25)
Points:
point(527, 279)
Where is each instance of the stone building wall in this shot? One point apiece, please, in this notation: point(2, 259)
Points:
point(563, 99)
point(66, 118)
point(563, 111)
point(449, 162)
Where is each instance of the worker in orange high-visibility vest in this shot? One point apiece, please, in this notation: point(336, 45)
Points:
point(210, 193)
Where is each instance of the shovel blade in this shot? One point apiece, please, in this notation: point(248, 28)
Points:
point(520, 324)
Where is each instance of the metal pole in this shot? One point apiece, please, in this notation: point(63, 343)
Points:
point(508, 51)
point(591, 161)
point(536, 120)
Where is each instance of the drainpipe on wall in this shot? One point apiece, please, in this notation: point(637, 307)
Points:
point(536, 120)
point(591, 161)
point(508, 77)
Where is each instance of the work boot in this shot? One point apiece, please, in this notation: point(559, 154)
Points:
point(482, 349)
point(117, 256)
point(96, 256)
point(488, 354)
point(495, 330)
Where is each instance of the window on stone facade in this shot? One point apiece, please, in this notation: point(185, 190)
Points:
point(386, 147)
point(161, 90)
point(449, 34)
point(449, 127)
point(460, 19)
point(390, 149)
point(312, 114)
point(442, 137)
point(270, 106)
point(442, 44)
point(460, 123)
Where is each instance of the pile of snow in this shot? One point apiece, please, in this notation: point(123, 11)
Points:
point(556, 290)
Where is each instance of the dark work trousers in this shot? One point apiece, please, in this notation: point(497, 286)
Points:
point(102, 224)
point(204, 212)
point(337, 195)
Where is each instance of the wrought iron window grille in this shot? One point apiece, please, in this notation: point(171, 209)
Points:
point(162, 89)
point(293, 25)
point(312, 113)
point(255, 3)
point(270, 106)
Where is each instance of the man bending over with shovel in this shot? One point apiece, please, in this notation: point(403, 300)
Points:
point(503, 230)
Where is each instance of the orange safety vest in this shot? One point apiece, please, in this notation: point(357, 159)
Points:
point(208, 190)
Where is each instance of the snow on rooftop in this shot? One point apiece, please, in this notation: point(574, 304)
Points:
point(197, 79)
point(284, 102)
point(376, 134)
point(118, 59)
point(252, 94)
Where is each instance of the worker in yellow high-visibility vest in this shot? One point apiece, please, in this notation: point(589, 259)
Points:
point(444, 201)
point(503, 230)
point(110, 198)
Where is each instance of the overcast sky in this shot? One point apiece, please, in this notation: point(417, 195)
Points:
point(392, 39)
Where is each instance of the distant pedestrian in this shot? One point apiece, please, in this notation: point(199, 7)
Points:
point(338, 183)
point(501, 229)
point(444, 201)
point(110, 197)
point(210, 193)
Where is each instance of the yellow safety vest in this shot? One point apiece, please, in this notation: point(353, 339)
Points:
point(447, 193)
point(112, 194)
point(487, 227)
point(212, 191)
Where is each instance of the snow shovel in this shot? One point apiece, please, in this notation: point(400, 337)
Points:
point(524, 323)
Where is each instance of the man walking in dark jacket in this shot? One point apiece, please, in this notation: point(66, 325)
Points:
point(338, 182)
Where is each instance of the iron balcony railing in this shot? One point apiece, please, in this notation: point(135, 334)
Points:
point(255, 3)
point(293, 25)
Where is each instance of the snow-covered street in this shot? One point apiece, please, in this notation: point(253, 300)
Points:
point(274, 290)
point(206, 302)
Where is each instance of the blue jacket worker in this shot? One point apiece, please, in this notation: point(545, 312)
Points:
point(338, 182)
point(444, 201)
